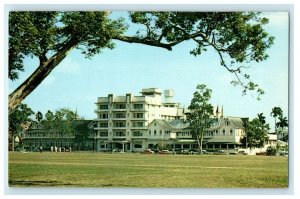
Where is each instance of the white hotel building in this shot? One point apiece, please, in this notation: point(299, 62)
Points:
point(134, 123)
point(123, 120)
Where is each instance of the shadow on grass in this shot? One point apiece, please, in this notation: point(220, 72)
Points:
point(36, 183)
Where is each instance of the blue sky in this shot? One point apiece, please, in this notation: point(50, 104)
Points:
point(77, 82)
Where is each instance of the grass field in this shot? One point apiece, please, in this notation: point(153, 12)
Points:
point(141, 170)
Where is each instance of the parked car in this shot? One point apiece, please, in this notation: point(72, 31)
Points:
point(221, 152)
point(148, 151)
point(165, 152)
point(186, 152)
point(195, 151)
point(116, 150)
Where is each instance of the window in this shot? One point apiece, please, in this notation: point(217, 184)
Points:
point(138, 115)
point(154, 132)
point(103, 116)
point(160, 132)
point(217, 132)
point(223, 131)
point(119, 124)
point(103, 107)
point(120, 133)
point(149, 132)
point(138, 124)
point(120, 106)
point(137, 133)
point(103, 125)
point(120, 115)
point(231, 131)
point(138, 106)
point(103, 134)
point(137, 146)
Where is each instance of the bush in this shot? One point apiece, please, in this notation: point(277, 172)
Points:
point(271, 150)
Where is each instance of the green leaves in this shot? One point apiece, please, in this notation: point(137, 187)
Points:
point(237, 37)
point(19, 116)
point(200, 109)
point(60, 122)
point(42, 34)
point(256, 132)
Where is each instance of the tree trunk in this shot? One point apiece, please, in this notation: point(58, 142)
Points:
point(43, 70)
point(199, 140)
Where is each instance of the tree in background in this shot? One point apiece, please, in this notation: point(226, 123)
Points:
point(59, 124)
point(256, 133)
point(282, 123)
point(276, 112)
point(20, 116)
point(238, 38)
point(38, 116)
point(200, 113)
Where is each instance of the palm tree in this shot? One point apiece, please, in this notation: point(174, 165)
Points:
point(39, 116)
point(283, 122)
point(261, 118)
point(276, 111)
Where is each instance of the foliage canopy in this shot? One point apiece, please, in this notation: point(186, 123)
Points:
point(237, 37)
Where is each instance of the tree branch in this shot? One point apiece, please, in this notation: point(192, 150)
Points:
point(44, 69)
point(143, 41)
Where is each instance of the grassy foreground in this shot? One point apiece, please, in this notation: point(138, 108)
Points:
point(141, 170)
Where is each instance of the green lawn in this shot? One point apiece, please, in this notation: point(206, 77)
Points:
point(141, 170)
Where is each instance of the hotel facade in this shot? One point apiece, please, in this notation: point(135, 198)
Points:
point(134, 123)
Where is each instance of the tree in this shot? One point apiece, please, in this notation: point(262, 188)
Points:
point(49, 125)
point(276, 112)
point(261, 118)
point(256, 133)
point(82, 133)
point(60, 123)
point(39, 116)
point(201, 111)
point(237, 37)
point(283, 122)
point(17, 118)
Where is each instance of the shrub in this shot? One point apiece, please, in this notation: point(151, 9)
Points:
point(271, 150)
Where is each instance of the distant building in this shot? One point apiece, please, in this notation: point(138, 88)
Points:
point(81, 137)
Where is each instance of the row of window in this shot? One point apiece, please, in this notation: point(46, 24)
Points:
point(119, 106)
point(120, 115)
point(29, 134)
point(123, 106)
point(121, 134)
point(120, 124)
point(216, 132)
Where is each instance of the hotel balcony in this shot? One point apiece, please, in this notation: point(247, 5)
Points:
point(101, 119)
point(120, 110)
point(119, 128)
point(138, 128)
point(101, 110)
point(139, 137)
point(100, 128)
point(138, 110)
point(141, 119)
point(119, 118)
